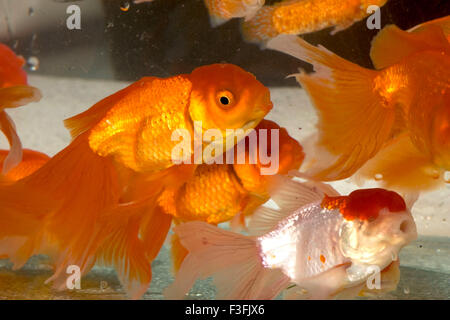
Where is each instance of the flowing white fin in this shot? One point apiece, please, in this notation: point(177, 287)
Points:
point(232, 260)
point(289, 195)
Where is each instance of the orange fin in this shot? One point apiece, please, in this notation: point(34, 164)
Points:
point(86, 120)
point(63, 214)
point(17, 96)
point(443, 23)
point(401, 166)
point(353, 121)
point(31, 161)
point(232, 259)
point(12, 97)
point(178, 252)
point(127, 248)
point(392, 44)
point(15, 154)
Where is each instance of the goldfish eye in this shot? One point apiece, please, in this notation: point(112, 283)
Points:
point(225, 99)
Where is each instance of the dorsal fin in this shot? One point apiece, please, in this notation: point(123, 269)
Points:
point(443, 23)
point(84, 121)
point(392, 44)
point(289, 195)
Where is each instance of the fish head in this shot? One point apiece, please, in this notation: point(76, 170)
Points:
point(227, 98)
point(11, 72)
point(279, 144)
point(377, 224)
point(277, 147)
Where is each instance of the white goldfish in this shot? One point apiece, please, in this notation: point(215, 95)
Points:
point(323, 244)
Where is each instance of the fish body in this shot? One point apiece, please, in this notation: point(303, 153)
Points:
point(390, 124)
point(14, 92)
point(94, 201)
point(219, 193)
point(329, 245)
point(305, 16)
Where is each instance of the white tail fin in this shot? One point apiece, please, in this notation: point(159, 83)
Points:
point(232, 259)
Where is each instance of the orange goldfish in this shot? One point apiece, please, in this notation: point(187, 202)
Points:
point(392, 123)
point(95, 201)
point(14, 92)
point(323, 244)
point(304, 16)
point(222, 192)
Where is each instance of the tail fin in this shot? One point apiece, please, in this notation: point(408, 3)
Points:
point(132, 240)
point(232, 259)
point(354, 120)
point(56, 209)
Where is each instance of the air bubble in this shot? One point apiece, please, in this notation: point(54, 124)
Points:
point(125, 6)
point(33, 63)
point(378, 177)
point(406, 290)
point(447, 176)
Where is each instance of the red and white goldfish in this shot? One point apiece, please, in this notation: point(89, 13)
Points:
point(95, 200)
point(229, 192)
point(305, 16)
point(392, 123)
point(14, 92)
point(326, 245)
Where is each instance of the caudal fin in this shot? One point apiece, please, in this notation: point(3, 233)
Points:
point(353, 121)
point(132, 238)
point(231, 259)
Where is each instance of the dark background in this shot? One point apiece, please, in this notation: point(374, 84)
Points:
point(167, 37)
